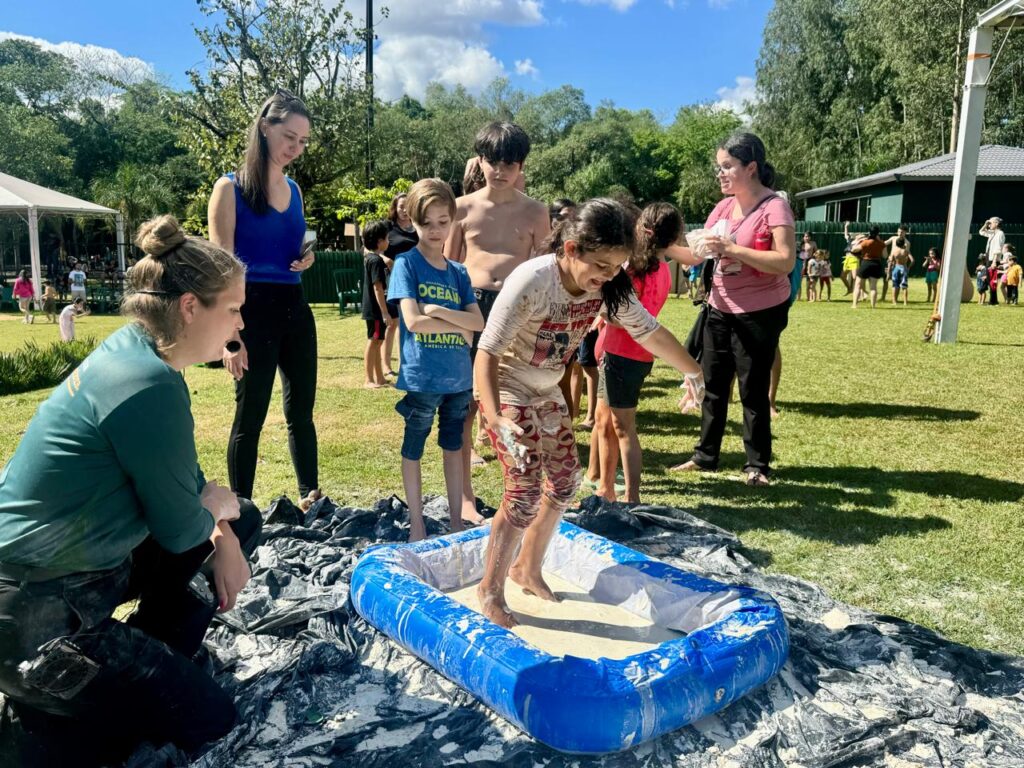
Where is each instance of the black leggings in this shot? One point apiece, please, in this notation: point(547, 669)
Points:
point(279, 334)
point(146, 686)
point(740, 345)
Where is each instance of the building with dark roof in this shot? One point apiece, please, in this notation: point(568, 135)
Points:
point(920, 191)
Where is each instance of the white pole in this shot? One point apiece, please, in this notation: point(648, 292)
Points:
point(33, 245)
point(120, 241)
point(961, 201)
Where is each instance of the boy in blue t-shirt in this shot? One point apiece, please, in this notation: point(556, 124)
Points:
point(437, 320)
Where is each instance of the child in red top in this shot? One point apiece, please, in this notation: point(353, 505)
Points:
point(993, 283)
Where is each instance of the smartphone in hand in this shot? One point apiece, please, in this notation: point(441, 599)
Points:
point(308, 243)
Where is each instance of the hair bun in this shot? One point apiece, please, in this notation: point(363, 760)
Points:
point(160, 235)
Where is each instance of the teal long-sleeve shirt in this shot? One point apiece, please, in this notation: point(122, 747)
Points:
point(108, 459)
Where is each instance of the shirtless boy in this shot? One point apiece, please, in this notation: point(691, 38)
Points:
point(900, 262)
point(495, 230)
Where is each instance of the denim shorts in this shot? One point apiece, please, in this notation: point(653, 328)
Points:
point(418, 409)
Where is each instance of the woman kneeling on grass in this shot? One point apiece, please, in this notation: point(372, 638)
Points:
point(104, 502)
point(546, 307)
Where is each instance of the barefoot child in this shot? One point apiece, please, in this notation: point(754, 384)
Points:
point(375, 309)
point(66, 321)
point(543, 312)
point(495, 230)
point(50, 302)
point(931, 274)
point(438, 317)
point(824, 274)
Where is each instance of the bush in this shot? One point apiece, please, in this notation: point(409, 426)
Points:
point(36, 367)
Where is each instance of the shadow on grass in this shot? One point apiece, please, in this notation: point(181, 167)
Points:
point(990, 344)
point(844, 505)
point(887, 411)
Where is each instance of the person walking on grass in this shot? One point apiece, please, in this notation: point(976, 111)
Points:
point(438, 317)
point(257, 213)
point(375, 309)
point(900, 262)
point(545, 308)
point(931, 274)
point(824, 274)
point(870, 250)
point(850, 261)
point(24, 293)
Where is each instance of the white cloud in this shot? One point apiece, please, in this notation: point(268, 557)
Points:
point(94, 59)
point(738, 98)
point(445, 41)
point(618, 5)
point(526, 67)
point(720, 4)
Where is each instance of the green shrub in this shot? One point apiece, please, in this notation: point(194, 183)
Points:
point(36, 367)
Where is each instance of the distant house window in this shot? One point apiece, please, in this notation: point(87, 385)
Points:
point(856, 209)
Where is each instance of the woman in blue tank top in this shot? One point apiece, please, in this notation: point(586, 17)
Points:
point(257, 213)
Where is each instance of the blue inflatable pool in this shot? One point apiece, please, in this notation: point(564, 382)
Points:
point(732, 639)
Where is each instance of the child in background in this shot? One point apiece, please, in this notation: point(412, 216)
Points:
point(850, 262)
point(1013, 276)
point(993, 283)
point(24, 292)
point(66, 322)
point(546, 307)
point(931, 274)
point(813, 273)
point(824, 274)
point(375, 310)
point(50, 302)
point(626, 364)
point(438, 316)
point(981, 275)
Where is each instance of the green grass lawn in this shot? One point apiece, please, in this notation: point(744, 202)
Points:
point(898, 484)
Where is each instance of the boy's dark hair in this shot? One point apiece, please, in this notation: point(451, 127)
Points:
point(657, 227)
point(1011, 249)
point(373, 233)
point(600, 223)
point(556, 207)
point(901, 243)
point(873, 232)
point(502, 142)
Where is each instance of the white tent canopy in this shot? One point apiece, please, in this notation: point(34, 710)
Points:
point(30, 202)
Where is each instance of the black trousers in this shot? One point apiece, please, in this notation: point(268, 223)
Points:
point(146, 686)
point(740, 345)
point(279, 334)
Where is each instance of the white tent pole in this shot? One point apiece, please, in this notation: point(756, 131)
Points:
point(33, 244)
point(961, 202)
point(120, 241)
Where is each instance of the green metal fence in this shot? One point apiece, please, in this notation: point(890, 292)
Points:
point(318, 281)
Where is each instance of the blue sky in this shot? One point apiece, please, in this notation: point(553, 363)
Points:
point(655, 54)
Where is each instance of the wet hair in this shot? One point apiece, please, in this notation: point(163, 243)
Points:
point(393, 208)
point(658, 226)
point(748, 148)
point(599, 223)
point(252, 176)
point(901, 243)
point(873, 232)
point(473, 179)
point(425, 193)
point(175, 264)
point(1011, 249)
point(502, 143)
point(821, 254)
point(374, 232)
point(903, 227)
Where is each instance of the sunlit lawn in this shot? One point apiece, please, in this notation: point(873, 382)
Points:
point(898, 487)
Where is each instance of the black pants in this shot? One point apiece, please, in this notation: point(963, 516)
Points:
point(146, 686)
point(740, 345)
point(279, 334)
point(1011, 294)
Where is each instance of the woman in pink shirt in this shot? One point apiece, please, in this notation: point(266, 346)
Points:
point(626, 364)
point(24, 293)
point(749, 304)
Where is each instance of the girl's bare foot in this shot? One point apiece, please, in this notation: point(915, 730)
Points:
point(470, 515)
point(374, 385)
point(532, 584)
point(494, 607)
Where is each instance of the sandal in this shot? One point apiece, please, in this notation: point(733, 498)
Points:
point(757, 478)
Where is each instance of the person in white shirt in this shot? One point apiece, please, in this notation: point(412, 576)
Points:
point(76, 278)
point(66, 321)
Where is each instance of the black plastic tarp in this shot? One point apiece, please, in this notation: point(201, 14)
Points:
point(316, 685)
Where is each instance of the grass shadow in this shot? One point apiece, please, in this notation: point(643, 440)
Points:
point(887, 411)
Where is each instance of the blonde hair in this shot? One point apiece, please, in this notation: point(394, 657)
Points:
point(821, 254)
point(425, 193)
point(175, 264)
